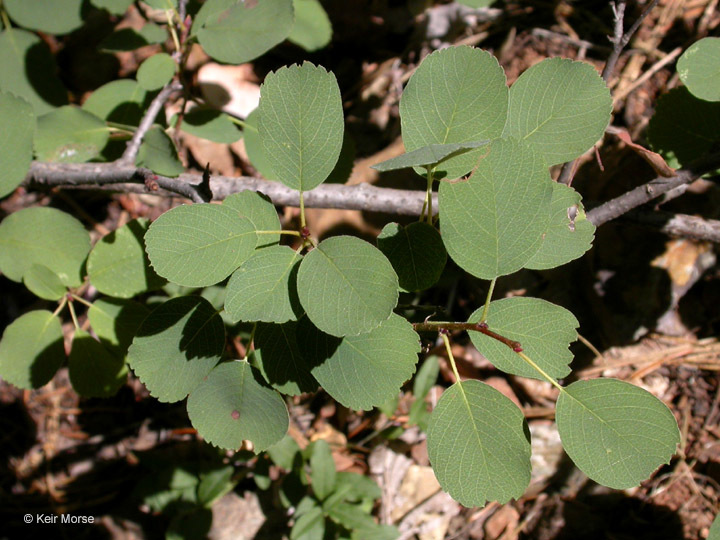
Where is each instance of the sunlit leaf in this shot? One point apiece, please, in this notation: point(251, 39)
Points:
point(200, 244)
point(51, 16)
point(156, 71)
point(479, 445)
point(301, 124)
point(312, 29)
point(43, 282)
point(699, 68)
point(347, 286)
point(69, 135)
point(560, 107)
point(158, 153)
point(259, 209)
point(615, 432)
point(456, 95)
point(493, 223)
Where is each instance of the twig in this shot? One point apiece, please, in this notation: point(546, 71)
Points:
point(653, 189)
point(681, 225)
point(133, 146)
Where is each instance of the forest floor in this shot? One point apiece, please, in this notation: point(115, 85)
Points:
point(647, 305)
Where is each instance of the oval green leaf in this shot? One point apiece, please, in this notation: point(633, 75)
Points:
point(569, 234)
point(211, 124)
point(364, 371)
point(94, 370)
point(118, 266)
point(280, 361)
point(322, 469)
point(312, 29)
point(156, 71)
point(158, 153)
point(264, 288)
point(259, 209)
point(120, 101)
point(254, 146)
point(615, 432)
point(347, 286)
point(236, 32)
point(51, 16)
point(479, 445)
point(44, 236)
point(560, 107)
point(70, 135)
point(493, 223)
point(416, 252)
point(457, 95)
point(32, 349)
point(29, 70)
point(200, 244)
point(699, 68)
point(16, 141)
point(232, 405)
point(43, 282)
point(176, 346)
point(301, 124)
point(544, 330)
point(115, 322)
point(683, 127)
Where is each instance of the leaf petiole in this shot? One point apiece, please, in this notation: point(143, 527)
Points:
point(446, 340)
point(487, 300)
point(541, 371)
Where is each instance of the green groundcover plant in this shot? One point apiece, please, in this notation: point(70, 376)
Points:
point(171, 292)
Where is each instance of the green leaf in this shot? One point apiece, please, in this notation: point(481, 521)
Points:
point(312, 29)
point(346, 161)
point(118, 266)
point(351, 516)
point(699, 68)
point(361, 488)
point(264, 288)
point(162, 4)
point(94, 370)
point(683, 127)
point(44, 236)
point(616, 433)
point(43, 282)
point(364, 371)
point(309, 526)
point(29, 70)
point(158, 153)
point(560, 107)
point(116, 7)
point(416, 253)
point(116, 322)
point(210, 124)
point(457, 95)
point(120, 101)
point(129, 39)
point(322, 469)
point(254, 146)
point(347, 286)
point(569, 233)
point(424, 381)
point(176, 346)
point(278, 357)
point(51, 16)
point(236, 32)
point(479, 445)
point(31, 349)
point(714, 533)
point(200, 244)
point(284, 453)
point(301, 124)
point(259, 209)
point(231, 405)
point(427, 156)
point(376, 532)
point(493, 223)
point(214, 484)
point(16, 141)
point(69, 135)
point(544, 330)
point(156, 71)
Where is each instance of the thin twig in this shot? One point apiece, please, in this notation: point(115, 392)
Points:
point(653, 189)
point(133, 146)
point(657, 66)
point(680, 225)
